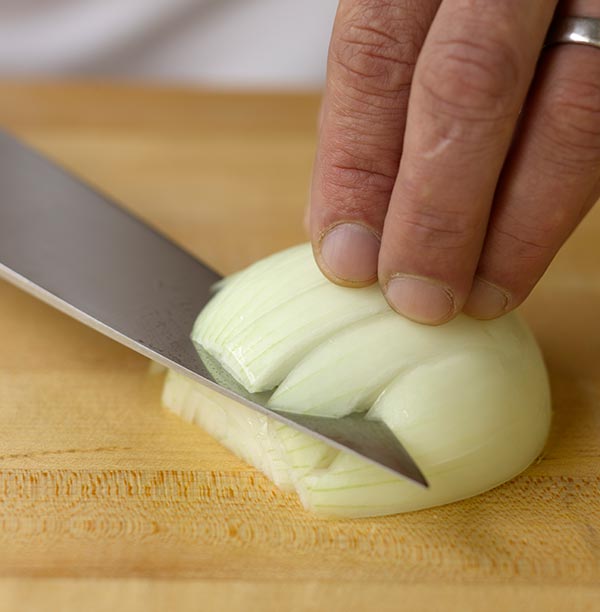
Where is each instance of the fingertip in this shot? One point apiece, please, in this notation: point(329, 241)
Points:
point(421, 299)
point(487, 300)
point(306, 218)
point(347, 254)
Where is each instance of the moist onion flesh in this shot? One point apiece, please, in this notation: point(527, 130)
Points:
point(469, 400)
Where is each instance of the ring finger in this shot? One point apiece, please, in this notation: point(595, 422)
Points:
point(551, 179)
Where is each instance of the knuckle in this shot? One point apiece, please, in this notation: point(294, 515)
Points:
point(519, 248)
point(375, 46)
point(470, 79)
point(572, 120)
point(526, 241)
point(351, 184)
point(437, 228)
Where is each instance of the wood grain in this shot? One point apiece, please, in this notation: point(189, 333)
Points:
point(108, 501)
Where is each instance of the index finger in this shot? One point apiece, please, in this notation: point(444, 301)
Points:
point(374, 47)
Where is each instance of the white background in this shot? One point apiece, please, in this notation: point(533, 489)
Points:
point(237, 43)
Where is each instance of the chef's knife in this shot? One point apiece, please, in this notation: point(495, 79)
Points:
point(77, 250)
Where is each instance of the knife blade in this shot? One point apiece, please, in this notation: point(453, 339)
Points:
point(76, 249)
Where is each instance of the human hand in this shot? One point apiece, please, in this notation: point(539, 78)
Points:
point(452, 164)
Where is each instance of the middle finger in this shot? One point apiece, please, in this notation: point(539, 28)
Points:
point(470, 82)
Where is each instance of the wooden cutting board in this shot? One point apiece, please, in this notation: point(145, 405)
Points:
point(109, 502)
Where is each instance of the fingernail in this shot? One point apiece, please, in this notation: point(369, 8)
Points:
point(486, 300)
point(350, 252)
point(420, 299)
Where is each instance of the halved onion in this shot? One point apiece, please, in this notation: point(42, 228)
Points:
point(469, 400)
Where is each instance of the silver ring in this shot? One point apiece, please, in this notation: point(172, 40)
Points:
point(578, 30)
